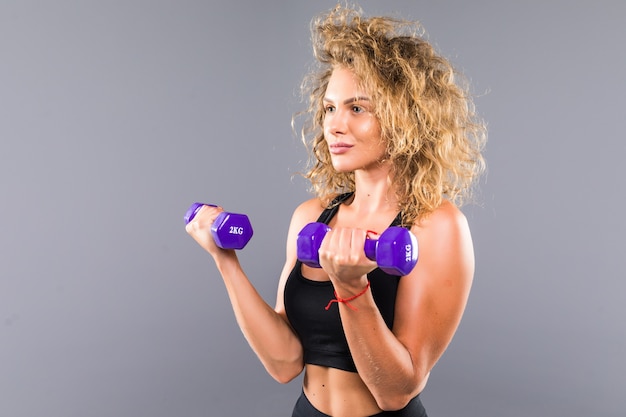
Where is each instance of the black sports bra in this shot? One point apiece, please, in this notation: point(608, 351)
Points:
point(320, 330)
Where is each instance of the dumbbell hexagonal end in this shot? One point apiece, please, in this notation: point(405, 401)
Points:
point(231, 230)
point(396, 251)
point(308, 243)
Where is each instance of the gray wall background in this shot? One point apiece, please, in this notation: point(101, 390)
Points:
point(115, 116)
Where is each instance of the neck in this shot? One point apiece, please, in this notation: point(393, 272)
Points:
point(374, 192)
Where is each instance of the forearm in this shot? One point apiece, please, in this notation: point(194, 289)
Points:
point(383, 362)
point(268, 334)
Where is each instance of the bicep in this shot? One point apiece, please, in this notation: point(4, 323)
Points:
point(432, 298)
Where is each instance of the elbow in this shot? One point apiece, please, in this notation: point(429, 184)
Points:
point(285, 373)
point(393, 402)
point(284, 378)
point(399, 397)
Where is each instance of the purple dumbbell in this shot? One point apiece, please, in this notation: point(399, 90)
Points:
point(395, 251)
point(229, 230)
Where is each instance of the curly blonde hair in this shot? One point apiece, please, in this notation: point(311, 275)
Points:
point(434, 137)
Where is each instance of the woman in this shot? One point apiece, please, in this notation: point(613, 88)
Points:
point(394, 141)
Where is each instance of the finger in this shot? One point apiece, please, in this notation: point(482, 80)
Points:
point(357, 243)
point(325, 247)
point(346, 246)
point(206, 215)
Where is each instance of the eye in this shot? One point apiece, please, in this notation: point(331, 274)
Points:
point(329, 108)
point(357, 109)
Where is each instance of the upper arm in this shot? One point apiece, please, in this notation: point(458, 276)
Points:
point(306, 212)
point(432, 298)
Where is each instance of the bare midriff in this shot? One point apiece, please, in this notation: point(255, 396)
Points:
point(338, 393)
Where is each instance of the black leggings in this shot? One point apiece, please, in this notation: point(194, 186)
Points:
point(414, 408)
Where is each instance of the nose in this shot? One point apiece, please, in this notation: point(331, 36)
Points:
point(336, 122)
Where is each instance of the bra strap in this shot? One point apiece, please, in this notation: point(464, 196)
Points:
point(333, 207)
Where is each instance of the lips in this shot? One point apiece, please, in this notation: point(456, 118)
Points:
point(339, 148)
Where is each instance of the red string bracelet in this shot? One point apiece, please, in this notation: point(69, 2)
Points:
point(346, 301)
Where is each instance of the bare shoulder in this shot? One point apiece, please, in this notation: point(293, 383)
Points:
point(444, 226)
point(446, 215)
point(306, 212)
point(309, 209)
point(446, 251)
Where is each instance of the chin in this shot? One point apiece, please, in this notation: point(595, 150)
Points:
point(343, 169)
point(343, 165)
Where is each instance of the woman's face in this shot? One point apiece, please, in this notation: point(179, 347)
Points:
point(351, 129)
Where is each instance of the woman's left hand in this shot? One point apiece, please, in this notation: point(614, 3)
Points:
point(342, 257)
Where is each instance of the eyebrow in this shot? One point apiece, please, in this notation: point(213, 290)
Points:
point(350, 100)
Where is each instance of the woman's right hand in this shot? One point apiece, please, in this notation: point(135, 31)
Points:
point(200, 229)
